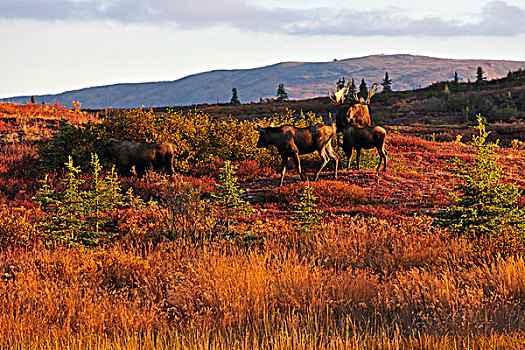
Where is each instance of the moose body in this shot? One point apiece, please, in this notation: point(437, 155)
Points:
point(364, 137)
point(141, 155)
point(291, 141)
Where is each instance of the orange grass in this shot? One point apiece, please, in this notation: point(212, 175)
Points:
point(367, 284)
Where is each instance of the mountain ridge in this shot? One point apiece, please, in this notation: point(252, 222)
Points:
point(302, 80)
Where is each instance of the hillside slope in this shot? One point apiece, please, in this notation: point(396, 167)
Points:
point(302, 80)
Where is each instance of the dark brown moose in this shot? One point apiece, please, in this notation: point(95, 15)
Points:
point(141, 155)
point(292, 142)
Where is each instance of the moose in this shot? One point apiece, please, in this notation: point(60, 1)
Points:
point(291, 141)
point(364, 137)
point(357, 112)
point(354, 124)
point(141, 155)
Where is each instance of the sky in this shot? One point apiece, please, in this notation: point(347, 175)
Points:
point(52, 46)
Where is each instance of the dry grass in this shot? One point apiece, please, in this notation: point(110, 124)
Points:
point(367, 284)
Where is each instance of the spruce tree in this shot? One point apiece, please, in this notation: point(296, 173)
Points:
point(308, 217)
point(340, 83)
point(480, 78)
point(228, 196)
point(387, 84)
point(363, 90)
point(456, 79)
point(76, 215)
point(281, 93)
point(351, 88)
point(485, 205)
point(235, 99)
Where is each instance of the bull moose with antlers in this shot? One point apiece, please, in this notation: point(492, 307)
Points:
point(355, 125)
point(357, 112)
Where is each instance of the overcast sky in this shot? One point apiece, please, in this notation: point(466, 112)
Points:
point(51, 46)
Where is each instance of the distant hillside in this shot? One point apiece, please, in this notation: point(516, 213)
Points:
point(302, 80)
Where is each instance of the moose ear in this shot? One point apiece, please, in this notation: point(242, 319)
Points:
point(259, 128)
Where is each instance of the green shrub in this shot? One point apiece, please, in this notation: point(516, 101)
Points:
point(456, 103)
point(505, 114)
point(78, 142)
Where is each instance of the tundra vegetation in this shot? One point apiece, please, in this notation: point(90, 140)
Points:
point(217, 256)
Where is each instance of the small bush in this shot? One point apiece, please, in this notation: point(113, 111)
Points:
point(307, 216)
point(228, 197)
point(183, 210)
point(456, 103)
point(16, 229)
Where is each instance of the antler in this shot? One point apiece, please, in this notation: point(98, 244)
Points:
point(333, 99)
point(339, 96)
point(372, 92)
point(358, 99)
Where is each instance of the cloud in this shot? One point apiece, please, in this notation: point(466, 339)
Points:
point(496, 18)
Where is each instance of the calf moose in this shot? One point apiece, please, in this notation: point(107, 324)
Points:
point(141, 155)
point(292, 141)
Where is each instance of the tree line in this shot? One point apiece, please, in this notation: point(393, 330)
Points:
point(282, 95)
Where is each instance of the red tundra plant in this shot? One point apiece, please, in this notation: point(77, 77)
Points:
point(47, 111)
point(249, 170)
point(403, 143)
point(329, 194)
point(136, 224)
point(19, 173)
point(153, 185)
point(207, 168)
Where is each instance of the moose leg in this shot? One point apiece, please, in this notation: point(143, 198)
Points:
point(322, 153)
point(140, 170)
point(168, 164)
point(382, 158)
point(349, 156)
point(284, 160)
point(297, 163)
point(357, 156)
point(124, 171)
point(334, 156)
